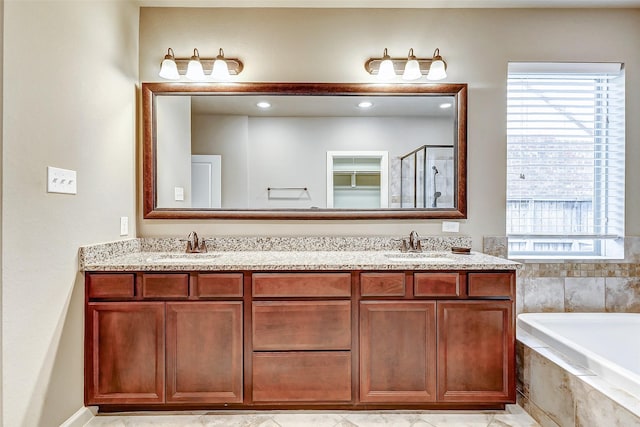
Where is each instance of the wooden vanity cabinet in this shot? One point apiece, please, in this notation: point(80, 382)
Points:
point(153, 347)
point(343, 340)
point(447, 339)
point(301, 338)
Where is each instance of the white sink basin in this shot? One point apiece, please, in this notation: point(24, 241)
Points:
point(424, 257)
point(183, 258)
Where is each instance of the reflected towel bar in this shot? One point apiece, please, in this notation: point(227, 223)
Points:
point(287, 188)
point(303, 193)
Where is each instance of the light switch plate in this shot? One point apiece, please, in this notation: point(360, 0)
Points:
point(61, 181)
point(124, 225)
point(450, 226)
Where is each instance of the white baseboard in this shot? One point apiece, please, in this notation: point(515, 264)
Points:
point(81, 417)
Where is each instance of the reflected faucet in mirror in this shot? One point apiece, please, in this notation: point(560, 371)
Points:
point(436, 193)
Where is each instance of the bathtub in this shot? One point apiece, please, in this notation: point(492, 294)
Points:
point(607, 344)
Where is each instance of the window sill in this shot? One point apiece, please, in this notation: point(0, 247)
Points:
point(538, 259)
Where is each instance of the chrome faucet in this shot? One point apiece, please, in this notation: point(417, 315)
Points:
point(195, 246)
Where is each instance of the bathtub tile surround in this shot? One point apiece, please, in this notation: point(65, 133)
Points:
point(593, 408)
point(558, 393)
point(542, 293)
point(545, 383)
point(584, 294)
point(622, 294)
point(576, 286)
point(512, 416)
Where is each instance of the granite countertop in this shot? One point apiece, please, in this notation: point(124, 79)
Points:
point(136, 257)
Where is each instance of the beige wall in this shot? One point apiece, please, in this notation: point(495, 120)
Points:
point(1, 151)
point(70, 70)
point(332, 45)
point(174, 148)
point(231, 136)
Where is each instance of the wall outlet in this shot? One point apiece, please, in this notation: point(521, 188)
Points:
point(450, 226)
point(61, 181)
point(178, 194)
point(124, 225)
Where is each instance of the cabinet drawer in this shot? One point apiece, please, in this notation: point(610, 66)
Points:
point(436, 284)
point(215, 285)
point(302, 377)
point(382, 284)
point(110, 285)
point(301, 284)
point(156, 285)
point(491, 285)
point(302, 325)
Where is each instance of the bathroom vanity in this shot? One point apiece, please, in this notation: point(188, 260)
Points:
point(260, 330)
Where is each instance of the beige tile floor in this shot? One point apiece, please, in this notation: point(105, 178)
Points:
point(512, 416)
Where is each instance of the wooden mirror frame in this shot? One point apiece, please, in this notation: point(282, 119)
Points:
point(151, 90)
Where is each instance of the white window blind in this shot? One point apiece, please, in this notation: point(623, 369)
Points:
point(565, 159)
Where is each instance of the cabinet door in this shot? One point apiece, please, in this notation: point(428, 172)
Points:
point(476, 352)
point(204, 352)
point(124, 360)
point(397, 351)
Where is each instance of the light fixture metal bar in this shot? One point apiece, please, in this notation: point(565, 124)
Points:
point(234, 64)
point(373, 65)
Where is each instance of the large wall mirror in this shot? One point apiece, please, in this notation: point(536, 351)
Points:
point(304, 150)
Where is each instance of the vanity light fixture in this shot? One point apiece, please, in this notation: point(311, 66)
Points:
point(197, 69)
point(411, 68)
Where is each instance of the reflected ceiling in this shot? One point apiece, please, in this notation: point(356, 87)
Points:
point(324, 106)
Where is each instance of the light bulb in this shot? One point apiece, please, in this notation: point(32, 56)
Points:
point(169, 69)
point(194, 68)
point(220, 69)
point(437, 71)
point(411, 68)
point(386, 71)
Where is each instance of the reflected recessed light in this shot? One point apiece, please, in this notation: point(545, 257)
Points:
point(446, 105)
point(365, 104)
point(263, 104)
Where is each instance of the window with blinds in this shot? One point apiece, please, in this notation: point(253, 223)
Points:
point(565, 160)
